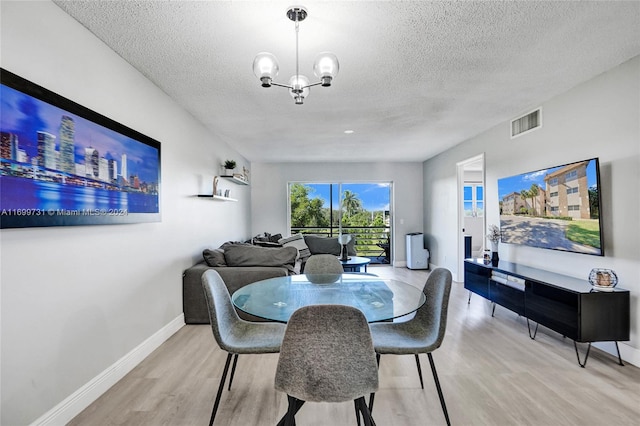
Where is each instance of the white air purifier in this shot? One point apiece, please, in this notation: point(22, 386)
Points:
point(417, 255)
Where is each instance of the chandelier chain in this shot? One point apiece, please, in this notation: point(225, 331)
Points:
point(297, 59)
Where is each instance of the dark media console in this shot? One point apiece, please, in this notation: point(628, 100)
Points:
point(567, 305)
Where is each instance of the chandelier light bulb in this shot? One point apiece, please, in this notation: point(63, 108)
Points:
point(326, 67)
point(299, 88)
point(265, 67)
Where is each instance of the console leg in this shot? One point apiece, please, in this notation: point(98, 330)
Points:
point(535, 331)
point(469, 299)
point(619, 357)
point(586, 357)
point(493, 310)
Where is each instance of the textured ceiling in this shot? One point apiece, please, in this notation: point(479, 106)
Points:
point(415, 77)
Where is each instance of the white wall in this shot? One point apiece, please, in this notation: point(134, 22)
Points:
point(599, 118)
point(269, 193)
point(75, 300)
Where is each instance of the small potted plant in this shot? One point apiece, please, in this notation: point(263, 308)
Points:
point(229, 165)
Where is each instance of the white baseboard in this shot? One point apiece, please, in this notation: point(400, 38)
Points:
point(629, 354)
point(79, 400)
point(400, 264)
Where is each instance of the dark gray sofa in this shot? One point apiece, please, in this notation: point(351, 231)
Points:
point(240, 264)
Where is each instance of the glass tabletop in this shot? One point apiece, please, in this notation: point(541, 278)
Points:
point(380, 299)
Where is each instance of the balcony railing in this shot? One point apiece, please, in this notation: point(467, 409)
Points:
point(371, 241)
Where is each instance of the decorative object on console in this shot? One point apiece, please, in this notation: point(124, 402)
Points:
point(344, 239)
point(603, 279)
point(494, 237)
point(487, 257)
point(325, 67)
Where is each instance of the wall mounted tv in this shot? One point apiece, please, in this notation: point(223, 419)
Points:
point(556, 208)
point(64, 164)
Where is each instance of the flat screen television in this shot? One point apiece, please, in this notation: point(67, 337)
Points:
point(556, 208)
point(64, 164)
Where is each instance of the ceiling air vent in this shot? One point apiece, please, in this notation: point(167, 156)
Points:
point(526, 123)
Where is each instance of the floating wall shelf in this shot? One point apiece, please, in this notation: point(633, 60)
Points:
point(235, 179)
point(216, 197)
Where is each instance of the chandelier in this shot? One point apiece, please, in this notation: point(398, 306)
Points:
point(325, 67)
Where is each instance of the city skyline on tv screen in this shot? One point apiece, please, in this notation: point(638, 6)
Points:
point(62, 164)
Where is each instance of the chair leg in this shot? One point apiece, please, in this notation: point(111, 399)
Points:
point(355, 404)
point(361, 406)
point(233, 370)
point(294, 405)
point(372, 395)
point(435, 378)
point(419, 371)
point(220, 387)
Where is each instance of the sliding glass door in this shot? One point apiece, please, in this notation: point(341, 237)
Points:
point(360, 209)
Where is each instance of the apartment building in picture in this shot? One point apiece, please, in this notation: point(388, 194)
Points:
point(568, 192)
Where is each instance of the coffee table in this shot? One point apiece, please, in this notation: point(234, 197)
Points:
point(355, 263)
point(379, 299)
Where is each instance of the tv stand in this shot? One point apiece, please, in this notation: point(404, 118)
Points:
point(566, 305)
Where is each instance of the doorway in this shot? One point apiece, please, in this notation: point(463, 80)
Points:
point(471, 210)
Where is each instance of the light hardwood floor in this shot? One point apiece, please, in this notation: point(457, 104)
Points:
point(491, 373)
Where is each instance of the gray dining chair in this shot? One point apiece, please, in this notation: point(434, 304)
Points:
point(327, 356)
point(233, 334)
point(323, 264)
point(421, 334)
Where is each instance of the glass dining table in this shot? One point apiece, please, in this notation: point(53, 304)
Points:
point(380, 299)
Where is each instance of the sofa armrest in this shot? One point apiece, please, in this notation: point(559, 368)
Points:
point(194, 304)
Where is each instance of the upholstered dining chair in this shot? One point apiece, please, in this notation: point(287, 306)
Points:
point(233, 334)
point(327, 356)
point(323, 264)
point(423, 333)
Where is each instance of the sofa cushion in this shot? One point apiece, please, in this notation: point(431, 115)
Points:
point(248, 255)
point(214, 257)
point(296, 241)
point(324, 245)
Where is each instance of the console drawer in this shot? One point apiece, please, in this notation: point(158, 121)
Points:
point(476, 279)
point(508, 296)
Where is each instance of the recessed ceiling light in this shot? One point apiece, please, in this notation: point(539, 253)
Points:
point(348, 132)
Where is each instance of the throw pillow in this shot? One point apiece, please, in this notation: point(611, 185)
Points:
point(324, 245)
point(214, 257)
point(296, 241)
point(266, 244)
point(248, 255)
point(275, 238)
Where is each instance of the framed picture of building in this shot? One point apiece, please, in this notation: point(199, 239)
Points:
point(64, 164)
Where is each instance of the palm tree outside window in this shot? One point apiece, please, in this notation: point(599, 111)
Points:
point(360, 209)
